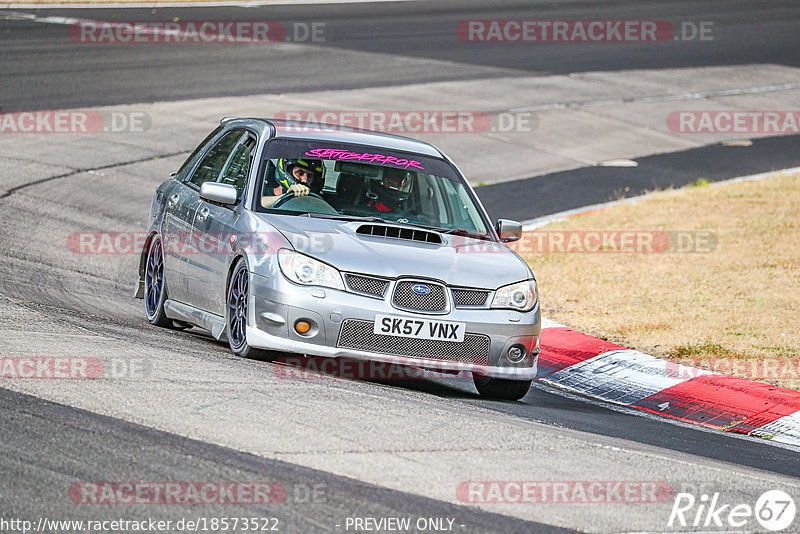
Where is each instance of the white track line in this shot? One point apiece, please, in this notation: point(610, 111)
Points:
point(662, 98)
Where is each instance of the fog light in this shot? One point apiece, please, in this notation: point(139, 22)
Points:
point(302, 327)
point(516, 353)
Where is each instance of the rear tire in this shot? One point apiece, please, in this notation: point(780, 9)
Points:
point(237, 298)
point(501, 388)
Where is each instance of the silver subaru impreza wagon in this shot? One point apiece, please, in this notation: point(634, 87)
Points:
point(302, 238)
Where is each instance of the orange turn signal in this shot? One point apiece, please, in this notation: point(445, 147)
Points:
point(302, 327)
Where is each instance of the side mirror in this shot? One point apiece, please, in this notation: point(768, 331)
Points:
point(218, 193)
point(508, 230)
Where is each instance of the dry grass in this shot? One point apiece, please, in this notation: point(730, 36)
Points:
point(735, 309)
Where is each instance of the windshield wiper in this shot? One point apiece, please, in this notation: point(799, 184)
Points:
point(461, 232)
point(342, 217)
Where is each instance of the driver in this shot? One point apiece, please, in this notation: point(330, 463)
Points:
point(390, 191)
point(298, 176)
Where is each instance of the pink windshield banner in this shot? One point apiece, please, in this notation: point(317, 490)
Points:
point(339, 154)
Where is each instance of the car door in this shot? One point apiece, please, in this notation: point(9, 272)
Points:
point(206, 239)
point(176, 227)
point(216, 225)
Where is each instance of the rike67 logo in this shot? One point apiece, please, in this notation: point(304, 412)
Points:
point(773, 511)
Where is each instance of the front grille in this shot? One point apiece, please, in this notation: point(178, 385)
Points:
point(405, 297)
point(396, 232)
point(358, 334)
point(366, 284)
point(469, 297)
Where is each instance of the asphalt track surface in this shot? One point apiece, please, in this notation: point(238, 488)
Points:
point(594, 185)
point(315, 505)
point(44, 70)
point(47, 446)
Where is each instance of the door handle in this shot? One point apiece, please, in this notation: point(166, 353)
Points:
point(173, 200)
point(202, 214)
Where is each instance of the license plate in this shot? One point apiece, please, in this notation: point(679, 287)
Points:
point(392, 325)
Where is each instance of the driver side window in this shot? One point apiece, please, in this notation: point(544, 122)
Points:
point(211, 165)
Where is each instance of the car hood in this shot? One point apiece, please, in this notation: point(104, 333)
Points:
point(458, 261)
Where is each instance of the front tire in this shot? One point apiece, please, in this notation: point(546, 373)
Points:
point(501, 388)
point(236, 315)
point(155, 288)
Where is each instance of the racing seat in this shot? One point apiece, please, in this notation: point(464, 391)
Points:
point(349, 190)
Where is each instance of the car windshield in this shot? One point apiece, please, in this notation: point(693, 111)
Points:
point(354, 181)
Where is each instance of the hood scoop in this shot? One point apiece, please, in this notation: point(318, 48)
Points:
point(398, 232)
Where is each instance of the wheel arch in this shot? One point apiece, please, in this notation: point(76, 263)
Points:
point(232, 266)
point(139, 294)
point(235, 260)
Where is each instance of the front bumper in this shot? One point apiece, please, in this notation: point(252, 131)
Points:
point(276, 305)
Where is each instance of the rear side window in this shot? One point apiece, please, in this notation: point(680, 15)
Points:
point(211, 165)
point(238, 167)
point(191, 160)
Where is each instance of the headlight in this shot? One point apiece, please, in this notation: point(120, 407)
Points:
point(301, 269)
point(520, 296)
